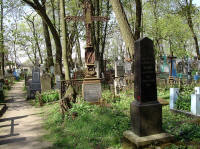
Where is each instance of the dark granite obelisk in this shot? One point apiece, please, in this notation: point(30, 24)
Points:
point(146, 111)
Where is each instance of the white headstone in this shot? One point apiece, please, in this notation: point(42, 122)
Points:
point(197, 90)
point(195, 104)
point(174, 92)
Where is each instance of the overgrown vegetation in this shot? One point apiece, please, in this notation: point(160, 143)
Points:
point(48, 96)
point(184, 99)
point(101, 126)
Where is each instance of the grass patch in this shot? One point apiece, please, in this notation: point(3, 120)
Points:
point(102, 126)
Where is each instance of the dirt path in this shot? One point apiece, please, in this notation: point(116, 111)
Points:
point(21, 125)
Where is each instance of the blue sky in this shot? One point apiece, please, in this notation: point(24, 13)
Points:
point(197, 2)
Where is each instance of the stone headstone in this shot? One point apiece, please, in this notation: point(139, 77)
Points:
point(195, 102)
point(120, 70)
point(36, 75)
point(174, 92)
point(58, 81)
point(45, 82)
point(146, 111)
point(35, 84)
point(92, 91)
point(128, 69)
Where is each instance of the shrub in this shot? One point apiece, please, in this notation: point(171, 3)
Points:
point(49, 96)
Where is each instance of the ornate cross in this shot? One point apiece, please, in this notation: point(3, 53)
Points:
point(88, 19)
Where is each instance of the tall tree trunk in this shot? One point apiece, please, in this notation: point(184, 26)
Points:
point(64, 39)
point(2, 41)
point(125, 28)
point(48, 45)
point(138, 19)
point(78, 50)
point(42, 12)
point(191, 25)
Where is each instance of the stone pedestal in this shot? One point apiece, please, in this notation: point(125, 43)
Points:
point(91, 90)
point(146, 118)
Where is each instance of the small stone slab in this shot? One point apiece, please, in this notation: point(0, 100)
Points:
point(163, 102)
point(147, 140)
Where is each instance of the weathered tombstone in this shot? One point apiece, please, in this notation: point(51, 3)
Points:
point(58, 82)
point(174, 92)
point(128, 67)
point(146, 111)
point(34, 84)
point(120, 69)
point(195, 102)
point(46, 82)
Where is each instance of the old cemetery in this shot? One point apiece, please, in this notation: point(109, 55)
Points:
point(100, 74)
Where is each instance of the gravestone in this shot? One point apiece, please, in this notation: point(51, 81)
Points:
point(120, 69)
point(174, 92)
point(195, 102)
point(146, 111)
point(58, 82)
point(92, 91)
point(128, 69)
point(46, 82)
point(34, 85)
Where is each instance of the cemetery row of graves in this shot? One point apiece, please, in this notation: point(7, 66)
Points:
point(102, 125)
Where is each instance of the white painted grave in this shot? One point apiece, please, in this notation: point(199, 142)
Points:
point(195, 102)
point(174, 92)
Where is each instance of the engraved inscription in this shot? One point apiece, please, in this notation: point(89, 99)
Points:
point(92, 92)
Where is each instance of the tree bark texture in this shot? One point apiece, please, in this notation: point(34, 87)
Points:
point(64, 39)
point(125, 28)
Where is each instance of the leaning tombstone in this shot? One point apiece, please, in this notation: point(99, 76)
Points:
point(195, 102)
point(45, 82)
point(146, 111)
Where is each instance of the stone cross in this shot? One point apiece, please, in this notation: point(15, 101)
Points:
point(88, 19)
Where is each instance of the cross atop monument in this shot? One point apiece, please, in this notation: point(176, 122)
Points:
point(88, 19)
point(89, 50)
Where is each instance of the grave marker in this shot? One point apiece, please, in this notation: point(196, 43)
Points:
point(46, 82)
point(146, 111)
point(90, 80)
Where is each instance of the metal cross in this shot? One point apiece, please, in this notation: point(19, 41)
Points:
point(88, 19)
point(89, 50)
point(171, 57)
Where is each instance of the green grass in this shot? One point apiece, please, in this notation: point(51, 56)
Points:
point(102, 126)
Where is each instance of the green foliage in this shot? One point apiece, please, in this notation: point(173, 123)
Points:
point(49, 96)
point(184, 99)
point(180, 126)
point(94, 126)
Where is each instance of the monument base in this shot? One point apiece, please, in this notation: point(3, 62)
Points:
point(146, 118)
point(147, 140)
point(91, 90)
